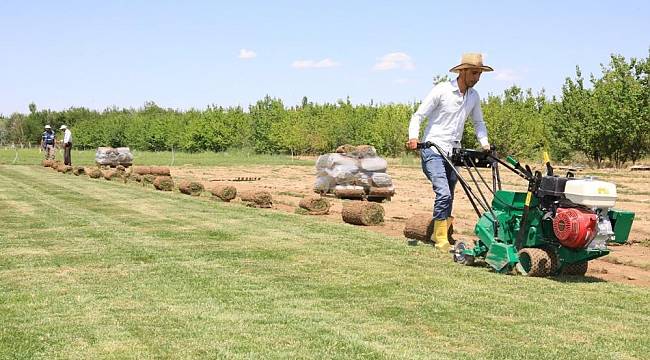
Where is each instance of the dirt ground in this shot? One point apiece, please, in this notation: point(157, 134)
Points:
point(628, 264)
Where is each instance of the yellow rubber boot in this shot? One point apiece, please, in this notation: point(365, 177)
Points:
point(450, 229)
point(440, 235)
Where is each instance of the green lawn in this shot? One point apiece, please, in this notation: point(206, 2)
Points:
point(97, 269)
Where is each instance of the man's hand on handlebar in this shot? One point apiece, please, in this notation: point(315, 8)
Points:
point(487, 147)
point(412, 144)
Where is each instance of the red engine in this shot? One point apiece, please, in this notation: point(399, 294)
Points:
point(575, 228)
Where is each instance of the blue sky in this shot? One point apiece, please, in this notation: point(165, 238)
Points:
point(184, 54)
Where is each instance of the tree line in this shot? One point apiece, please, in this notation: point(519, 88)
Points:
point(604, 119)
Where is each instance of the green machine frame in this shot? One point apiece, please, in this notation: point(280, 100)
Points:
point(512, 231)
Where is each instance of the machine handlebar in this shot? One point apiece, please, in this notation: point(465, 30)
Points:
point(466, 157)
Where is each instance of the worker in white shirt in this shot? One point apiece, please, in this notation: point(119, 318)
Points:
point(67, 145)
point(447, 106)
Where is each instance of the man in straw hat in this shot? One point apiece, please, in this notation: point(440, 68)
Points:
point(47, 142)
point(67, 145)
point(447, 106)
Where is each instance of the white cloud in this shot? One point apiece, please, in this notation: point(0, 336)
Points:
point(246, 54)
point(507, 75)
point(313, 64)
point(396, 60)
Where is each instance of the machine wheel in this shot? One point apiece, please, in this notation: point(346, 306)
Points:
point(458, 255)
point(554, 261)
point(579, 269)
point(533, 262)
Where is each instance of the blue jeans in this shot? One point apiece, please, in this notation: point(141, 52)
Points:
point(443, 179)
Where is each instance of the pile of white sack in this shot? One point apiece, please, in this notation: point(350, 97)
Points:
point(359, 170)
point(114, 156)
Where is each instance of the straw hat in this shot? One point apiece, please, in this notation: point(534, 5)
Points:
point(63, 127)
point(47, 127)
point(471, 61)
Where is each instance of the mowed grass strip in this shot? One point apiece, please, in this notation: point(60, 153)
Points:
point(97, 269)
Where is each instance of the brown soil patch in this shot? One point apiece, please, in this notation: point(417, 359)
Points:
point(629, 264)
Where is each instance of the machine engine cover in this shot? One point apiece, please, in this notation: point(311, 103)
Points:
point(591, 193)
point(575, 228)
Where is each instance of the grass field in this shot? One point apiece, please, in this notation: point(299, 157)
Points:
point(226, 158)
point(98, 269)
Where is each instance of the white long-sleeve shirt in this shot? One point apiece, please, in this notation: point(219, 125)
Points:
point(447, 109)
point(67, 136)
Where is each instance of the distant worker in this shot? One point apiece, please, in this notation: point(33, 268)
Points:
point(447, 106)
point(67, 145)
point(47, 143)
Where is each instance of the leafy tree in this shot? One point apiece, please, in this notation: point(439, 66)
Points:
point(264, 114)
point(618, 111)
point(608, 120)
point(4, 130)
point(514, 121)
point(574, 123)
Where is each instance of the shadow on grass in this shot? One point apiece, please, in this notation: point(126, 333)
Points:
point(576, 279)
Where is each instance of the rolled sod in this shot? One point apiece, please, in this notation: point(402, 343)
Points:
point(381, 191)
point(262, 199)
point(349, 193)
point(224, 192)
point(141, 170)
point(94, 173)
point(188, 187)
point(137, 177)
point(120, 173)
point(315, 205)
point(128, 172)
point(160, 171)
point(64, 168)
point(47, 163)
point(78, 170)
point(109, 174)
point(344, 149)
point(124, 177)
point(163, 183)
point(419, 227)
point(148, 179)
point(365, 151)
point(363, 213)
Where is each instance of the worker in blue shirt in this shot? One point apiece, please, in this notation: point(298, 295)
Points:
point(47, 142)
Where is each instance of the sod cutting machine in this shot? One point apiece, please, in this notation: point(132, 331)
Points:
point(555, 227)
